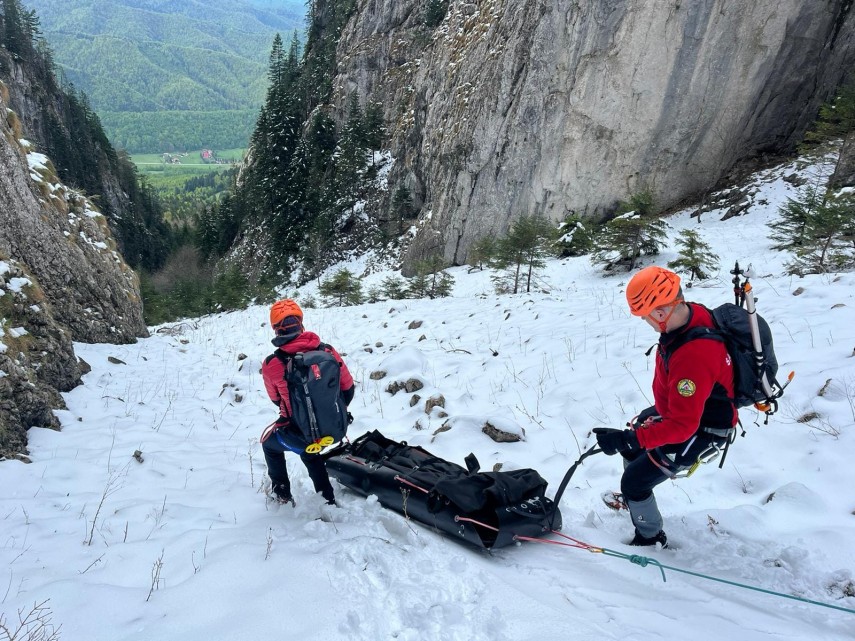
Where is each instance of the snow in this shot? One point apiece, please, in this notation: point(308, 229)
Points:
point(37, 161)
point(184, 544)
point(17, 284)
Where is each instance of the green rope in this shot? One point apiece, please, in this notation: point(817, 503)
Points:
point(644, 561)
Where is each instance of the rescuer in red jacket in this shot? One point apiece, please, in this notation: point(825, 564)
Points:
point(693, 415)
point(286, 319)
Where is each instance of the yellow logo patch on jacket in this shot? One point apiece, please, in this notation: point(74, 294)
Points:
point(685, 387)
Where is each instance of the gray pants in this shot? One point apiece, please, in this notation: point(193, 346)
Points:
point(645, 469)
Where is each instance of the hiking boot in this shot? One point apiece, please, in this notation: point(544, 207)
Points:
point(282, 495)
point(641, 541)
point(614, 500)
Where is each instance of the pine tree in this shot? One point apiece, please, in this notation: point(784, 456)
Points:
point(375, 127)
point(320, 148)
point(394, 288)
point(481, 253)
point(443, 286)
point(828, 240)
point(634, 232)
point(231, 290)
point(418, 286)
point(576, 236)
point(430, 279)
point(374, 295)
point(836, 119)
point(342, 289)
point(318, 247)
point(15, 38)
point(276, 182)
point(402, 206)
point(206, 231)
point(522, 252)
point(350, 158)
point(276, 65)
point(789, 230)
point(434, 12)
point(695, 258)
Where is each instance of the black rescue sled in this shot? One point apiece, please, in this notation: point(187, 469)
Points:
point(486, 509)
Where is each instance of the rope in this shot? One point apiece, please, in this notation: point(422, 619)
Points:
point(636, 559)
point(401, 479)
point(644, 561)
point(576, 543)
point(457, 519)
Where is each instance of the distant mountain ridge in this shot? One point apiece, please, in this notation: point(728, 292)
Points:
point(140, 56)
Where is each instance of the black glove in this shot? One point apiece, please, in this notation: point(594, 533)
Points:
point(612, 441)
point(644, 415)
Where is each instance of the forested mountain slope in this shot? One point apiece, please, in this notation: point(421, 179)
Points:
point(199, 56)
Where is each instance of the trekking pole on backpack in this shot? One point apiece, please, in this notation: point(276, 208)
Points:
point(744, 297)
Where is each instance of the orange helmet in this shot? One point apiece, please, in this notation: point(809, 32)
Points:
point(650, 288)
point(281, 309)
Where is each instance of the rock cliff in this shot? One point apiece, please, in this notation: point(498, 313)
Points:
point(552, 106)
point(61, 280)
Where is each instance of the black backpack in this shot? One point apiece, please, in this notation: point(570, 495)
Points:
point(732, 327)
point(317, 405)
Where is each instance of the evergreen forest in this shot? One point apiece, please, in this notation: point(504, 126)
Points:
point(307, 172)
point(170, 75)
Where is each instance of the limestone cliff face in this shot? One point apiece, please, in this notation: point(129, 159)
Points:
point(61, 280)
point(64, 242)
point(552, 106)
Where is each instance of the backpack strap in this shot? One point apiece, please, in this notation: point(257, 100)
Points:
point(326, 347)
point(281, 356)
point(285, 360)
point(695, 333)
point(667, 351)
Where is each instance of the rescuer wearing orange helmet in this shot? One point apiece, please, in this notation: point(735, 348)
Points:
point(693, 415)
point(286, 320)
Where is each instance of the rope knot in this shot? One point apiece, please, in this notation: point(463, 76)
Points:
point(639, 560)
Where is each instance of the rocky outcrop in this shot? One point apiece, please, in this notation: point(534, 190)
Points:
point(61, 280)
point(38, 103)
point(63, 241)
point(844, 172)
point(559, 106)
point(37, 359)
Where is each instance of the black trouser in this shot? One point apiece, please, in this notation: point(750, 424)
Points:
point(645, 469)
point(274, 449)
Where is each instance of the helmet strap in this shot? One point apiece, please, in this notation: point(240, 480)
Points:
point(663, 324)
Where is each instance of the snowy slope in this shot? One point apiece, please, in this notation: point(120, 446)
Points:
point(184, 546)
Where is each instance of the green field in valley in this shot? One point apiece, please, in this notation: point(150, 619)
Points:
point(179, 163)
point(185, 182)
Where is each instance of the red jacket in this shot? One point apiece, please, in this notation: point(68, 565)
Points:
point(691, 386)
point(273, 371)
